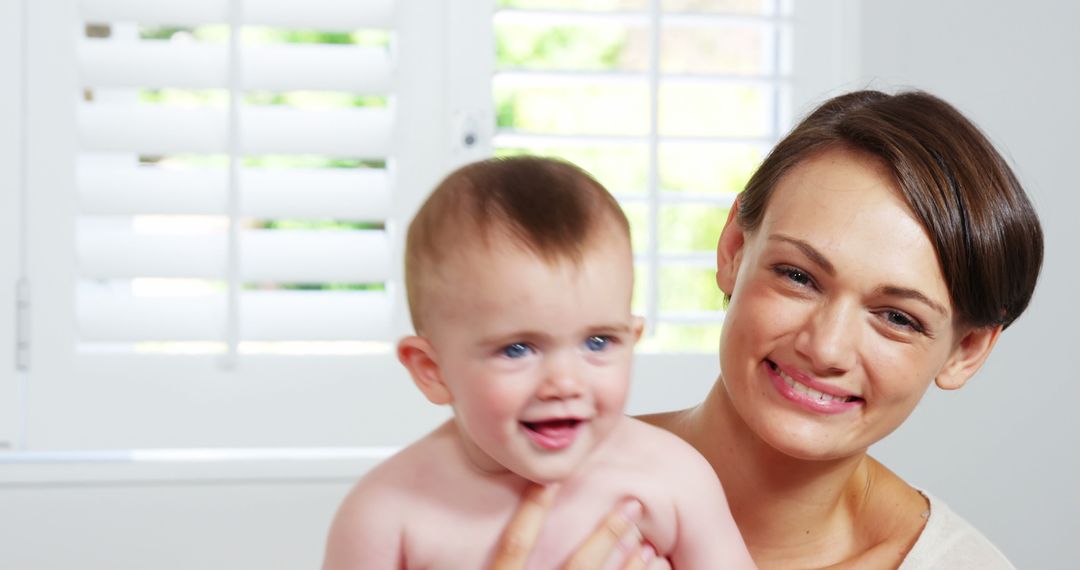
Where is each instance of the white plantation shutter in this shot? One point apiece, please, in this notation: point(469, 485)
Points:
point(216, 204)
point(115, 128)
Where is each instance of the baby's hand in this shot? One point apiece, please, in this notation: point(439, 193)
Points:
point(617, 536)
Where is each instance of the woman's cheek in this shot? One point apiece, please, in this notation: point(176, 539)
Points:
point(896, 370)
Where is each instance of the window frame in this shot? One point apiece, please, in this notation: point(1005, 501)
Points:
point(11, 208)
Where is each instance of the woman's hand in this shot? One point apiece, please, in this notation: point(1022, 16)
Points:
point(617, 536)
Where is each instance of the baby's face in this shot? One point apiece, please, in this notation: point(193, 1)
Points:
point(536, 356)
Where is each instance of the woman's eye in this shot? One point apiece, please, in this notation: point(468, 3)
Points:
point(896, 318)
point(794, 275)
point(597, 343)
point(516, 350)
point(799, 277)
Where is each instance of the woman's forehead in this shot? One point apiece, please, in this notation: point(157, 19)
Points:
point(847, 207)
point(839, 186)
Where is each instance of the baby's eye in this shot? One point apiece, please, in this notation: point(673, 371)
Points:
point(516, 350)
point(597, 343)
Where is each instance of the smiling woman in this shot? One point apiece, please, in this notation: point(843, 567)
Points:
point(883, 245)
point(848, 318)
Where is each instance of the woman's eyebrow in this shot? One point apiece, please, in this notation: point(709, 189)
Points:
point(891, 290)
point(809, 251)
point(916, 295)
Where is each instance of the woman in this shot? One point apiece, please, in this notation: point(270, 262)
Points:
point(881, 246)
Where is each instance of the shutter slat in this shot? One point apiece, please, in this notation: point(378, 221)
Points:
point(161, 129)
point(105, 316)
point(344, 15)
point(327, 193)
point(292, 67)
point(282, 256)
point(318, 315)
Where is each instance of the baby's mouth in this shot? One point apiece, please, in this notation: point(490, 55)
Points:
point(552, 427)
point(555, 434)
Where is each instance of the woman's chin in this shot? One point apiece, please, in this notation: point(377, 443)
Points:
point(805, 440)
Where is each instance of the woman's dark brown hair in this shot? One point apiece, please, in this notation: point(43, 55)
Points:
point(983, 227)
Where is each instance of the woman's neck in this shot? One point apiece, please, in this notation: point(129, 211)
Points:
point(791, 512)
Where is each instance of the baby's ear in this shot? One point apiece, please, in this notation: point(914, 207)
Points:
point(637, 325)
point(419, 358)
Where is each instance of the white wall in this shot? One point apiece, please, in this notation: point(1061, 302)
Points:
point(1005, 450)
point(167, 526)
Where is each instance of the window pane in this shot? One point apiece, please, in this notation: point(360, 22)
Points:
point(609, 109)
point(698, 109)
point(672, 337)
point(638, 303)
point(723, 48)
point(684, 288)
point(708, 168)
point(689, 228)
point(638, 215)
point(585, 5)
point(622, 169)
point(592, 46)
point(740, 7)
point(747, 7)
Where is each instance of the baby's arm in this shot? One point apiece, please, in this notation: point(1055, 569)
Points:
point(365, 533)
point(707, 535)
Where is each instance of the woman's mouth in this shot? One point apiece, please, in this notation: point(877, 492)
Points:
point(553, 434)
point(809, 397)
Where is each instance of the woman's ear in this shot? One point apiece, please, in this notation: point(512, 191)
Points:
point(419, 358)
point(968, 356)
point(729, 251)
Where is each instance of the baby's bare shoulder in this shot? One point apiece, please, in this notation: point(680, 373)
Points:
point(405, 478)
point(370, 524)
point(655, 447)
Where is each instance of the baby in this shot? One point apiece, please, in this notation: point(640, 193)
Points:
point(519, 275)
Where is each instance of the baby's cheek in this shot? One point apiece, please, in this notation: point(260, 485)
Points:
point(502, 403)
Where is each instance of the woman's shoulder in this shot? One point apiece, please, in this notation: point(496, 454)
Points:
point(949, 541)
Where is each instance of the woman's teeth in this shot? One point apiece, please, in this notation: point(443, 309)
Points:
point(799, 387)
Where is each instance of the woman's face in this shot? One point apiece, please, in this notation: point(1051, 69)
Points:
point(839, 317)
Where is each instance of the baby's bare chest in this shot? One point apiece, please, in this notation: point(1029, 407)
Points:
point(464, 534)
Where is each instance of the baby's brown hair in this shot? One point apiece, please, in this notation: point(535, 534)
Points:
point(549, 207)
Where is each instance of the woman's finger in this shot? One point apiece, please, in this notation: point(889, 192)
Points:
point(617, 532)
point(520, 535)
point(644, 558)
point(660, 564)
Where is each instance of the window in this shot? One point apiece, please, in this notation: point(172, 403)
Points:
point(206, 199)
point(671, 105)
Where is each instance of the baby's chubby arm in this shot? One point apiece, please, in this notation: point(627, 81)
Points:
point(365, 532)
point(707, 535)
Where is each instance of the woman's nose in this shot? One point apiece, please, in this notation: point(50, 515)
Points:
point(828, 338)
